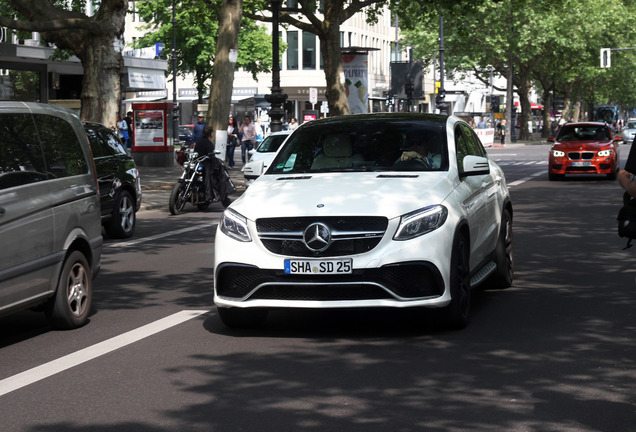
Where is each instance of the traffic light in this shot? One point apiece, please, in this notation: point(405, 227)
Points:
point(494, 103)
point(606, 57)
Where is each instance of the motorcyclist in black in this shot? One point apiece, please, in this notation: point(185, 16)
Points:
point(204, 146)
point(216, 183)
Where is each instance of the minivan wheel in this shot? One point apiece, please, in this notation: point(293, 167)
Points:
point(242, 318)
point(122, 224)
point(69, 307)
point(458, 310)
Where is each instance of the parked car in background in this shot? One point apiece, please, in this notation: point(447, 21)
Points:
point(118, 179)
point(584, 148)
point(380, 210)
point(629, 131)
point(185, 134)
point(50, 231)
point(261, 156)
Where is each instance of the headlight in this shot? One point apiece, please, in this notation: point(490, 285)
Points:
point(558, 153)
point(234, 225)
point(420, 222)
point(605, 153)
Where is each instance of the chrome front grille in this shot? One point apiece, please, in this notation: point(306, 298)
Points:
point(350, 235)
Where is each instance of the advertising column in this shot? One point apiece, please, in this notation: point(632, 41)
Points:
point(356, 74)
point(152, 134)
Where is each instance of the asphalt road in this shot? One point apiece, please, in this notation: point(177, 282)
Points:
point(555, 352)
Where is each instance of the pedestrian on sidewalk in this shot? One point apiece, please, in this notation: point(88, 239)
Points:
point(197, 131)
point(232, 140)
point(248, 137)
point(503, 131)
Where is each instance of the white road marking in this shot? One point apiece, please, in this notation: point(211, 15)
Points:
point(61, 364)
point(525, 179)
point(158, 236)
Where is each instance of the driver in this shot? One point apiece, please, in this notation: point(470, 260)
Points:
point(417, 148)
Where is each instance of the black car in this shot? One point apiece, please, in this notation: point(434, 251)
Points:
point(185, 134)
point(118, 178)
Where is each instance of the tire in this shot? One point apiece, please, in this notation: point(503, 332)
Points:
point(122, 224)
point(458, 311)
point(504, 256)
point(177, 199)
point(71, 304)
point(242, 318)
point(554, 177)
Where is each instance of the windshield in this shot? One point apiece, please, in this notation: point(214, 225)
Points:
point(271, 143)
point(364, 145)
point(583, 133)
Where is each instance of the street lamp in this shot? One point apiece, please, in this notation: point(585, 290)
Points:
point(440, 100)
point(277, 97)
point(175, 108)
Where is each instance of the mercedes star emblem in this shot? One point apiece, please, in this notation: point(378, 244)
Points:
point(317, 237)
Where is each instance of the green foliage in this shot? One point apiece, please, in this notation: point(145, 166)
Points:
point(558, 43)
point(196, 32)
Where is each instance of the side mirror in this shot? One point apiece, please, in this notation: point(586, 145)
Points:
point(253, 170)
point(551, 139)
point(475, 165)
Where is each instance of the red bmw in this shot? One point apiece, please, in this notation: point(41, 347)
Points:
point(584, 148)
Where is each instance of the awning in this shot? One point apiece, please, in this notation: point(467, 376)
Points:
point(144, 99)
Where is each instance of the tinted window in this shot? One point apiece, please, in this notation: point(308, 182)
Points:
point(583, 133)
point(374, 145)
point(467, 143)
point(62, 150)
point(21, 159)
point(271, 143)
point(103, 141)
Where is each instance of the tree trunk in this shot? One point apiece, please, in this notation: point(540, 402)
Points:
point(92, 40)
point(101, 85)
point(332, 60)
point(223, 70)
point(546, 97)
point(526, 110)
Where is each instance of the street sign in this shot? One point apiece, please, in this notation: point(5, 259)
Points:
point(606, 58)
point(313, 95)
point(324, 107)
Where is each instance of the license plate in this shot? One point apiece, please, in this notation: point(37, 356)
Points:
point(581, 164)
point(341, 266)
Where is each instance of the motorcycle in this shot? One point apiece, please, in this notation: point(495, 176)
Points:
point(191, 187)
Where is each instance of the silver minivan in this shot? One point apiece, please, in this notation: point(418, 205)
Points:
point(50, 219)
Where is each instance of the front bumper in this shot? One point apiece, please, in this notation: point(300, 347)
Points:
point(392, 274)
point(599, 165)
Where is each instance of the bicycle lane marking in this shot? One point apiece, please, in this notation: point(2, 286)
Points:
point(61, 364)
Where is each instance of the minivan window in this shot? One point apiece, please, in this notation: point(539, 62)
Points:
point(62, 150)
point(21, 159)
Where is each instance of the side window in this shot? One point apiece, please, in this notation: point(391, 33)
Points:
point(21, 159)
point(113, 142)
point(62, 150)
point(467, 143)
point(98, 147)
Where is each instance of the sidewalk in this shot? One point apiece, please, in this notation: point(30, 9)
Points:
point(157, 184)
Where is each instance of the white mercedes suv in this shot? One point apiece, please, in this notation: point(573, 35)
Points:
point(374, 210)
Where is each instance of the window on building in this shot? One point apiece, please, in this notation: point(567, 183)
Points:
point(292, 50)
point(309, 51)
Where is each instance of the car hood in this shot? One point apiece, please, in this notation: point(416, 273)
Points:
point(265, 157)
point(582, 145)
point(343, 194)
